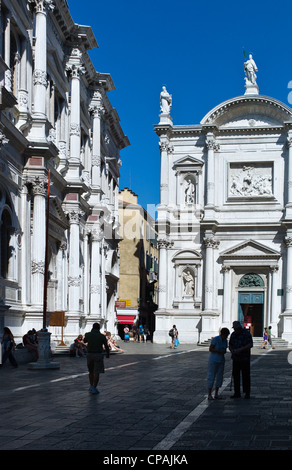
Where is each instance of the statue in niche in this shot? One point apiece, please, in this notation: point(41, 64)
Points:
point(250, 69)
point(189, 192)
point(189, 284)
point(165, 101)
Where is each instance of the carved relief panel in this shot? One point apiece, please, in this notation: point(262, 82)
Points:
point(250, 180)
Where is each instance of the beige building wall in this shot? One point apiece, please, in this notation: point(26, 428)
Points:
point(136, 252)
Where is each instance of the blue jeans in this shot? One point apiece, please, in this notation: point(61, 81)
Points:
point(215, 371)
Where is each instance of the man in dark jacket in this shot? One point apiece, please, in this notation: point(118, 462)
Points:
point(240, 344)
point(96, 344)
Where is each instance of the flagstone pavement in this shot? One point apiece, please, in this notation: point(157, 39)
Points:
point(151, 398)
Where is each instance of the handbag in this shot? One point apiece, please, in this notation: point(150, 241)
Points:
point(176, 342)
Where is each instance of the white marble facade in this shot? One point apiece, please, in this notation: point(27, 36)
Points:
point(225, 219)
point(55, 115)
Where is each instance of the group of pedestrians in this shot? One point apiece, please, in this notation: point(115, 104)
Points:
point(8, 345)
point(240, 345)
point(267, 339)
point(96, 345)
point(139, 333)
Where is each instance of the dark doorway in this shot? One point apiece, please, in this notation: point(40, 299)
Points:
point(253, 318)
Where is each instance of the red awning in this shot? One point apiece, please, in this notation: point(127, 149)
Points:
point(126, 319)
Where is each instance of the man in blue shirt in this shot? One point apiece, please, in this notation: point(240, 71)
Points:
point(240, 345)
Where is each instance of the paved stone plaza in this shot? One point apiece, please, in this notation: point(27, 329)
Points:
point(151, 398)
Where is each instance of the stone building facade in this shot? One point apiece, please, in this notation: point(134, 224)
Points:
point(139, 264)
point(55, 115)
point(225, 218)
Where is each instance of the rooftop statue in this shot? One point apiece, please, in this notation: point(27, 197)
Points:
point(165, 101)
point(250, 70)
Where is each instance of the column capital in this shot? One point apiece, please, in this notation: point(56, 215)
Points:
point(211, 142)
point(74, 216)
point(164, 243)
point(211, 242)
point(96, 110)
point(74, 70)
point(225, 268)
point(41, 6)
point(39, 186)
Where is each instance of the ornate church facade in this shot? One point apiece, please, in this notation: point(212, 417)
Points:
point(55, 115)
point(225, 218)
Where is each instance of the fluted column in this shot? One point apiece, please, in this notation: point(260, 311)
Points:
point(7, 41)
point(39, 188)
point(288, 241)
point(212, 146)
point(95, 284)
point(163, 144)
point(289, 192)
point(97, 110)
point(274, 315)
point(226, 313)
point(75, 69)
point(162, 300)
point(41, 7)
point(74, 281)
point(210, 243)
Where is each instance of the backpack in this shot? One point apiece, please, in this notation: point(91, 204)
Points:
point(171, 332)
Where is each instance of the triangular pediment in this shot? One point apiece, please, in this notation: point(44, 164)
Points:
point(250, 249)
point(188, 161)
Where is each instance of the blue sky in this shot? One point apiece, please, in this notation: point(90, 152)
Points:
point(194, 48)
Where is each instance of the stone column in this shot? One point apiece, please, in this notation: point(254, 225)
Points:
point(7, 32)
point(40, 55)
point(39, 188)
point(162, 288)
point(75, 69)
point(226, 313)
point(74, 262)
point(288, 241)
point(95, 284)
point(163, 144)
point(273, 313)
point(212, 146)
point(97, 111)
point(209, 269)
point(289, 193)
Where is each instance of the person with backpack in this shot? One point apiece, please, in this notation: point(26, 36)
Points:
point(173, 333)
point(141, 332)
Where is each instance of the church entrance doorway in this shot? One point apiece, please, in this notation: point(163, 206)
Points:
point(251, 311)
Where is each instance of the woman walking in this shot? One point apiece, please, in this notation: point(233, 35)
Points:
point(8, 347)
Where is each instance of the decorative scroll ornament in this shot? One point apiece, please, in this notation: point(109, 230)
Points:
point(74, 129)
point(38, 267)
point(74, 281)
point(40, 77)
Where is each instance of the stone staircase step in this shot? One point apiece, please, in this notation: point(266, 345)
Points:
point(257, 341)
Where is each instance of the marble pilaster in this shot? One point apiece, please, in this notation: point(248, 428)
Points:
point(39, 189)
